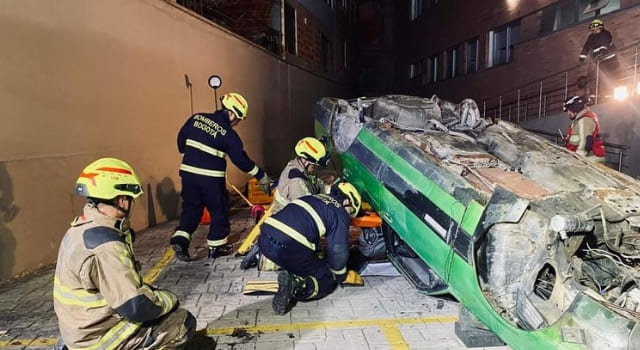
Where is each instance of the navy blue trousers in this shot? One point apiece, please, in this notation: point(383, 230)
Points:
point(298, 260)
point(199, 192)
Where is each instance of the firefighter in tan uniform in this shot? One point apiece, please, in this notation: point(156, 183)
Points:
point(100, 298)
point(583, 134)
point(296, 180)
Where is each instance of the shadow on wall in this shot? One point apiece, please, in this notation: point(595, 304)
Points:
point(168, 198)
point(8, 211)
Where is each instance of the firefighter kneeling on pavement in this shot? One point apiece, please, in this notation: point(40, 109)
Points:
point(291, 239)
point(100, 298)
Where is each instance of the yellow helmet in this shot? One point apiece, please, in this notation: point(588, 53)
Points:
point(107, 178)
point(596, 23)
point(235, 103)
point(311, 149)
point(350, 192)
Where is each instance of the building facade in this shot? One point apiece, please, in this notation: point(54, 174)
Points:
point(313, 34)
point(516, 58)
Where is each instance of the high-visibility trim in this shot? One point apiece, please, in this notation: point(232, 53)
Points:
point(217, 242)
point(314, 215)
point(280, 199)
point(287, 230)
point(77, 297)
point(254, 171)
point(316, 288)
point(181, 233)
point(342, 271)
point(206, 149)
point(114, 337)
point(201, 171)
point(126, 259)
point(167, 302)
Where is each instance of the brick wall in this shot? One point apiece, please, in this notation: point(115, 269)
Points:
point(535, 56)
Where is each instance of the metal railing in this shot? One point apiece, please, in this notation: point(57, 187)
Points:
point(546, 95)
point(616, 154)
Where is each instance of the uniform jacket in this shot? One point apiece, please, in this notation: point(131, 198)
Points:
point(583, 135)
point(307, 219)
point(600, 43)
point(294, 183)
point(206, 139)
point(99, 296)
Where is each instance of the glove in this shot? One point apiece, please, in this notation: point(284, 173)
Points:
point(265, 184)
point(353, 279)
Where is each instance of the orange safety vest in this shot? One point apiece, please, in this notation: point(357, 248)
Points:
point(598, 145)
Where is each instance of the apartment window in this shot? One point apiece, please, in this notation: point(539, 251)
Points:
point(331, 3)
point(290, 30)
point(416, 9)
point(471, 56)
point(325, 47)
point(413, 71)
point(344, 54)
point(569, 12)
point(450, 64)
point(434, 69)
point(345, 6)
point(425, 69)
point(431, 3)
point(501, 41)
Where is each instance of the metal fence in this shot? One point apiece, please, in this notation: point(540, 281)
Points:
point(545, 96)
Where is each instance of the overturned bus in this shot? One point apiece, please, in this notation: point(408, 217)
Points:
point(539, 244)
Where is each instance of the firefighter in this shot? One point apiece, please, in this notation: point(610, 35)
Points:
point(100, 298)
point(291, 239)
point(205, 140)
point(599, 43)
point(583, 135)
point(296, 180)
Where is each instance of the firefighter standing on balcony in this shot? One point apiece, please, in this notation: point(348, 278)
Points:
point(205, 140)
point(296, 180)
point(583, 135)
point(291, 237)
point(100, 298)
point(599, 43)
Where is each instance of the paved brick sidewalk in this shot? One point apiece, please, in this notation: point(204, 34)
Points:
point(387, 313)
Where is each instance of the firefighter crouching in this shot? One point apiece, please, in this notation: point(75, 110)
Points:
point(100, 299)
point(291, 239)
point(297, 179)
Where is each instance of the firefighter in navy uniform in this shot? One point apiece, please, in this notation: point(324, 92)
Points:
point(296, 180)
point(100, 299)
point(583, 134)
point(599, 43)
point(291, 238)
point(600, 46)
point(205, 140)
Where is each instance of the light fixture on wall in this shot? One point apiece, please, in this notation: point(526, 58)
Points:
point(620, 93)
point(215, 82)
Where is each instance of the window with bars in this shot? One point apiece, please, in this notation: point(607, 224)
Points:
point(501, 42)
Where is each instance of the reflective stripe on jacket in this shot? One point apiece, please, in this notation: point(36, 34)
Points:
point(309, 218)
point(206, 139)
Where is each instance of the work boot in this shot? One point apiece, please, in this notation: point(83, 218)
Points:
point(180, 246)
point(59, 345)
point(216, 252)
point(251, 259)
point(288, 285)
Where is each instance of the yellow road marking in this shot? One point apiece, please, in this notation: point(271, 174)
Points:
point(395, 338)
point(389, 328)
point(382, 322)
point(155, 271)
